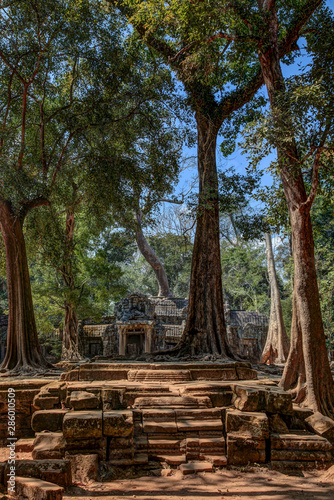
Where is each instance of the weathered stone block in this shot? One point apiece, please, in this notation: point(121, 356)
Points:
point(247, 398)
point(83, 400)
point(53, 471)
point(118, 423)
point(28, 488)
point(321, 425)
point(48, 420)
point(112, 399)
point(299, 441)
point(83, 424)
point(49, 445)
point(255, 425)
point(278, 401)
point(304, 455)
point(84, 467)
point(242, 450)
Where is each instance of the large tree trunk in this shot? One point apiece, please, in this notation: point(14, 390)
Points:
point(23, 350)
point(276, 348)
point(307, 328)
point(205, 330)
point(70, 347)
point(151, 257)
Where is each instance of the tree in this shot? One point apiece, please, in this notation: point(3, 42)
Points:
point(207, 66)
point(277, 344)
point(62, 79)
point(301, 126)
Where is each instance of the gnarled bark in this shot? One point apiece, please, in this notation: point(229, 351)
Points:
point(23, 349)
point(276, 348)
point(307, 331)
point(70, 347)
point(151, 257)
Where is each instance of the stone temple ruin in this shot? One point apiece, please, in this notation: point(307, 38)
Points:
point(144, 324)
point(194, 416)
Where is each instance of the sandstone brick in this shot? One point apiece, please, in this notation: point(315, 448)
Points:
point(242, 450)
point(48, 420)
point(84, 467)
point(254, 425)
point(53, 471)
point(118, 423)
point(247, 398)
point(83, 424)
point(321, 425)
point(278, 401)
point(83, 400)
point(49, 445)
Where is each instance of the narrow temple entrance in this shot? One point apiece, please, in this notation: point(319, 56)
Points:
point(135, 339)
point(135, 343)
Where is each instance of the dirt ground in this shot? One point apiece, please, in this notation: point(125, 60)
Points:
point(254, 483)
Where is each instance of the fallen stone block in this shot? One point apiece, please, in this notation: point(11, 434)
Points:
point(278, 401)
point(83, 424)
point(84, 467)
point(49, 445)
point(28, 488)
point(48, 420)
point(242, 450)
point(194, 467)
point(83, 400)
point(300, 441)
point(247, 398)
point(53, 471)
point(321, 425)
point(118, 423)
point(253, 424)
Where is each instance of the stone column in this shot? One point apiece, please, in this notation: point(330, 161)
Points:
point(148, 339)
point(121, 341)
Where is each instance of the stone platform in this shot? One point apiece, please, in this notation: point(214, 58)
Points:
point(176, 414)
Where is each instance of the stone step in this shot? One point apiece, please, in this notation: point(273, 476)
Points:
point(27, 488)
point(177, 402)
point(159, 375)
point(193, 467)
point(300, 441)
point(50, 470)
point(163, 444)
point(191, 425)
point(175, 460)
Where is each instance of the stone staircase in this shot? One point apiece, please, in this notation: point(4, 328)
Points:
point(190, 424)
